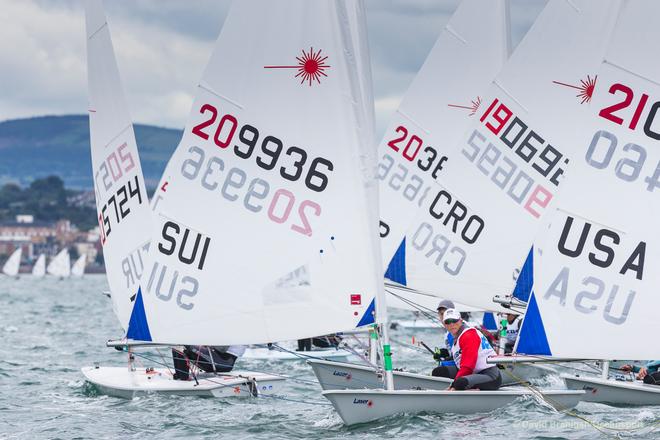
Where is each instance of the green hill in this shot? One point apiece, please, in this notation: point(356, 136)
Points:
point(59, 145)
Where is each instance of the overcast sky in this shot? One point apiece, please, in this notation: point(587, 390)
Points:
point(162, 47)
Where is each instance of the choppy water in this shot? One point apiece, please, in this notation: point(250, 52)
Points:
point(50, 328)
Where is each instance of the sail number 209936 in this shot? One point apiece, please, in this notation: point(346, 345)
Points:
point(270, 153)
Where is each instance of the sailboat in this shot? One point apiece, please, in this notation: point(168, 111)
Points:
point(13, 263)
point(247, 243)
point(505, 173)
point(78, 268)
point(60, 266)
point(39, 268)
point(119, 182)
point(595, 275)
point(412, 157)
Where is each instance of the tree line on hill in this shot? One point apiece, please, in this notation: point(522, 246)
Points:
point(47, 200)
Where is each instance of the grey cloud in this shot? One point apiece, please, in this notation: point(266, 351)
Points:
point(162, 47)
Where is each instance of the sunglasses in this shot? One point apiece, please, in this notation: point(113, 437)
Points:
point(451, 321)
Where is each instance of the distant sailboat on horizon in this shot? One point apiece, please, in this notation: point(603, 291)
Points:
point(61, 265)
point(13, 263)
point(39, 269)
point(78, 268)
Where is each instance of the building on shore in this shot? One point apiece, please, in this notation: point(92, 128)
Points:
point(38, 237)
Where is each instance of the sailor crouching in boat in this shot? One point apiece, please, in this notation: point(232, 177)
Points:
point(207, 358)
point(650, 373)
point(470, 349)
point(446, 365)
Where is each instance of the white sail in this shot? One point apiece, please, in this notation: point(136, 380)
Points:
point(60, 266)
point(13, 263)
point(595, 287)
point(434, 114)
point(121, 198)
point(478, 224)
point(39, 269)
point(264, 232)
point(467, 55)
point(78, 268)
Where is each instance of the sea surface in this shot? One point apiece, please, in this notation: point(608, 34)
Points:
point(50, 328)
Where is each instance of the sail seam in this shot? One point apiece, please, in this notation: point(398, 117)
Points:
point(620, 67)
point(506, 92)
point(595, 222)
point(213, 92)
point(160, 214)
point(406, 115)
point(98, 30)
point(122, 131)
point(574, 6)
point(455, 34)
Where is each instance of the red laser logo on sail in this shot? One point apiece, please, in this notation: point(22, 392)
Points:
point(586, 88)
point(475, 103)
point(311, 66)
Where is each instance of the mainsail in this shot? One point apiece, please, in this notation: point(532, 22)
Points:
point(13, 263)
point(505, 171)
point(434, 114)
point(264, 232)
point(595, 278)
point(121, 198)
point(78, 268)
point(39, 269)
point(60, 266)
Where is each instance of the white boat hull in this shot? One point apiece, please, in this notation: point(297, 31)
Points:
point(360, 406)
point(265, 354)
point(340, 375)
point(120, 382)
point(613, 391)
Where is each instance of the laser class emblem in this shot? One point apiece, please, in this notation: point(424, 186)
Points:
point(311, 67)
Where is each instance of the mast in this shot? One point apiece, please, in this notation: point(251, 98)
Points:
point(352, 18)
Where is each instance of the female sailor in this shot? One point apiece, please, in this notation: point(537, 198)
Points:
point(470, 350)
